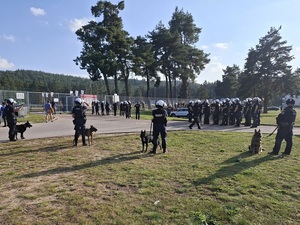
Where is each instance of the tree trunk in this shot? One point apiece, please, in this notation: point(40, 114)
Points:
point(184, 87)
point(106, 84)
point(116, 84)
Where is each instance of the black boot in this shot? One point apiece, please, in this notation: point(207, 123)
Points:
point(75, 142)
point(153, 151)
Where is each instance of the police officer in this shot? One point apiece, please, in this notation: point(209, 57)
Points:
point(238, 112)
point(137, 107)
point(206, 111)
point(10, 112)
point(190, 110)
point(247, 111)
point(78, 113)
point(225, 112)
point(255, 112)
point(285, 122)
point(159, 126)
point(196, 114)
point(216, 112)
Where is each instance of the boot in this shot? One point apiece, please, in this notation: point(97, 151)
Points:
point(165, 150)
point(153, 151)
point(75, 141)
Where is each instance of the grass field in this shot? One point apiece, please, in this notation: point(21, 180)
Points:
point(206, 178)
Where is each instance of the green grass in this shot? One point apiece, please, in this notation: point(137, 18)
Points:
point(206, 178)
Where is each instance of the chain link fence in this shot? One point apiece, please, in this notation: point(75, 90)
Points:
point(64, 102)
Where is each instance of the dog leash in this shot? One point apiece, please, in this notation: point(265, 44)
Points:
point(151, 128)
point(272, 132)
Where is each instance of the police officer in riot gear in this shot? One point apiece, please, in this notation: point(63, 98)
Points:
point(255, 112)
point(190, 110)
point(78, 113)
point(196, 114)
point(285, 122)
point(159, 126)
point(206, 111)
point(238, 112)
point(216, 112)
point(10, 113)
point(247, 111)
point(225, 112)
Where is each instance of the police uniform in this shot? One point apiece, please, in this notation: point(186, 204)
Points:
point(11, 120)
point(216, 112)
point(255, 112)
point(79, 121)
point(196, 114)
point(159, 126)
point(285, 122)
point(238, 112)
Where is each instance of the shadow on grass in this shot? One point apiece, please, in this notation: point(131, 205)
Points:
point(55, 148)
point(110, 160)
point(236, 166)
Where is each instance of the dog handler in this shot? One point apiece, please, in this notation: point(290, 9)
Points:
point(78, 113)
point(159, 126)
point(11, 118)
point(285, 122)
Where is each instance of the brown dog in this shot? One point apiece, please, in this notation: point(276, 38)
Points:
point(89, 133)
point(255, 146)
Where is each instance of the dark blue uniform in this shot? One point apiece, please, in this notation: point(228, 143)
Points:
point(285, 122)
point(79, 121)
point(11, 121)
point(159, 127)
point(196, 115)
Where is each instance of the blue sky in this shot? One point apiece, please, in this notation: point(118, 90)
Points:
point(40, 35)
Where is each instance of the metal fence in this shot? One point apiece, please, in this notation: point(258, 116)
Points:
point(64, 102)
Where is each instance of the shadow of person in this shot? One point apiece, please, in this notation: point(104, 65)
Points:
point(109, 160)
point(235, 165)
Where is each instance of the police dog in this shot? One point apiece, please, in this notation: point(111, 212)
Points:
point(255, 146)
point(146, 139)
point(89, 133)
point(21, 128)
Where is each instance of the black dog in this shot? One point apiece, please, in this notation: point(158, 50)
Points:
point(146, 139)
point(21, 128)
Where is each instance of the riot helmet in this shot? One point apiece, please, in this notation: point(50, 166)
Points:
point(78, 101)
point(160, 104)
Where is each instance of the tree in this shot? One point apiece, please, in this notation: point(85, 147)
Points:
point(267, 66)
point(144, 63)
point(188, 61)
point(100, 41)
point(175, 52)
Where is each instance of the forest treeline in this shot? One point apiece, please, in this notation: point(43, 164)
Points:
point(38, 81)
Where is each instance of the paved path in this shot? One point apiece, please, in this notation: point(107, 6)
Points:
point(63, 126)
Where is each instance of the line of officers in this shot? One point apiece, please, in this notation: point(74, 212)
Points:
point(226, 112)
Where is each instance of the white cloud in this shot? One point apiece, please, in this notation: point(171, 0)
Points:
point(37, 11)
point(212, 72)
point(204, 47)
point(75, 24)
point(221, 45)
point(297, 49)
point(4, 64)
point(9, 37)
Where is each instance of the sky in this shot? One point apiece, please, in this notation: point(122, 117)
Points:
point(40, 35)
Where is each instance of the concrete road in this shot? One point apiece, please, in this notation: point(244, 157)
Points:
point(63, 126)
